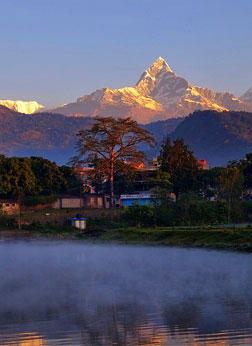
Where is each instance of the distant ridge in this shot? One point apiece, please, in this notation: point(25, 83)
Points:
point(217, 137)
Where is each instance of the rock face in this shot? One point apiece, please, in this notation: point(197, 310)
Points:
point(159, 94)
point(22, 106)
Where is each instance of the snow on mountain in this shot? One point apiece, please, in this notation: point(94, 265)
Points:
point(178, 96)
point(159, 94)
point(118, 103)
point(22, 106)
point(247, 96)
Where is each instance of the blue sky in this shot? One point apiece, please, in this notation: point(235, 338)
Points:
point(55, 51)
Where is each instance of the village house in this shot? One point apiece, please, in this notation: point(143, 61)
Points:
point(87, 201)
point(9, 207)
point(139, 198)
point(203, 164)
point(65, 202)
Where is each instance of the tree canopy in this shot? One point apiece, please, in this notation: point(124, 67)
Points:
point(176, 158)
point(16, 176)
point(110, 140)
point(35, 176)
point(245, 166)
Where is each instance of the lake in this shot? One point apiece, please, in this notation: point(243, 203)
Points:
point(71, 293)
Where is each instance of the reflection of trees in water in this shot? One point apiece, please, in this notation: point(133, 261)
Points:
point(184, 315)
point(123, 324)
point(132, 323)
point(115, 324)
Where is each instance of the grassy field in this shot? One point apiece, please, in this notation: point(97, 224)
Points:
point(222, 238)
point(108, 228)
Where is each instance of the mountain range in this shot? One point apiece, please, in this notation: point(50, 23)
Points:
point(216, 126)
point(215, 136)
point(158, 95)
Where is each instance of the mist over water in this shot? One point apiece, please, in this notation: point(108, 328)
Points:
point(70, 293)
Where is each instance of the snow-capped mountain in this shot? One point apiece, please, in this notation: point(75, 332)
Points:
point(247, 96)
point(159, 94)
point(22, 106)
point(178, 97)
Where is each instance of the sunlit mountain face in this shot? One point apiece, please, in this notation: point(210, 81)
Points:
point(28, 107)
point(159, 94)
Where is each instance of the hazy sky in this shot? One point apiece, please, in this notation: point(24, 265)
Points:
point(54, 51)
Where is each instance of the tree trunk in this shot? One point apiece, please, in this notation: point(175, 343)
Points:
point(112, 185)
point(229, 210)
point(19, 212)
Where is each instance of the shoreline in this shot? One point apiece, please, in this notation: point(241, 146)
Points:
point(215, 239)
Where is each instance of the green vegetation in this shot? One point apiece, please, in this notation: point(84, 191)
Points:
point(140, 215)
point(222, 238)
point(116, 227)
point(35, 177)
point(177, 160)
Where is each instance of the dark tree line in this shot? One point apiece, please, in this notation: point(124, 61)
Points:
point(203, 197)
point(35, 176)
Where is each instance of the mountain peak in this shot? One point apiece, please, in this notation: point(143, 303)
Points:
point(150, 78)
point(160, 63)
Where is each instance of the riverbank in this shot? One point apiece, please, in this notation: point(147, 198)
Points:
point(218, 238)
point(239, 239)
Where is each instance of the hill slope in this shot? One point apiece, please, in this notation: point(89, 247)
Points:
point(42, 134)
point(52, 135)
point(217, 137)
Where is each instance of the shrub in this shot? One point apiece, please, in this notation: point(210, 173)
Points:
point(31, 201)
point(140, 215)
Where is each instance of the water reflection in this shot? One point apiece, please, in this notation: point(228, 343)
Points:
point(23, 339)
point(74, 294)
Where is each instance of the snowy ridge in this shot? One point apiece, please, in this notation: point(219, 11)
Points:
point(28, 107)
point(159, 94)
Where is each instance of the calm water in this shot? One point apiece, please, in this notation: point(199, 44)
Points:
point(66, 293)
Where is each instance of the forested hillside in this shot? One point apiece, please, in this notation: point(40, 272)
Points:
point(217, 137)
